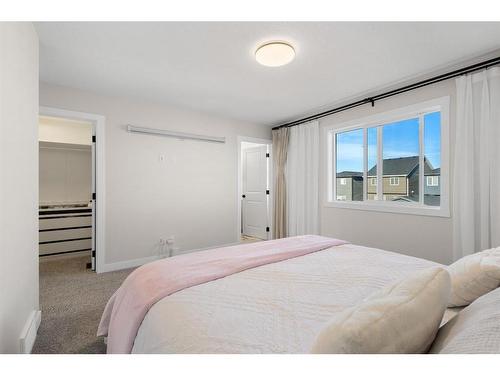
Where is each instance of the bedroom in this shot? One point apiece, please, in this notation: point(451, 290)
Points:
point(373, 171)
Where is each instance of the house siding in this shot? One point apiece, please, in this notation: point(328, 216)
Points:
point(432, 190)
point(352, 190)
point(390, 191)
point(413, 189)
point(344, 190)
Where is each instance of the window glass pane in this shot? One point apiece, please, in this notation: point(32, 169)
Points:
point(432, 154)
point(349, 165)
point(401, 161)
point(371, 134)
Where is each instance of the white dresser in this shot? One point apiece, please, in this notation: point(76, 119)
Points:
point(65, 229)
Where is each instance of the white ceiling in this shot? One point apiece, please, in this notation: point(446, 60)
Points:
point(211, 67)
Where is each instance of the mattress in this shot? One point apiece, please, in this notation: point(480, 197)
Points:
point(276, 308)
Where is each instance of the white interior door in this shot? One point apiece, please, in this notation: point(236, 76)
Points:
point(254, 195)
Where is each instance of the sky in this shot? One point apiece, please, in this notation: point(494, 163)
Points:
point(399, 139)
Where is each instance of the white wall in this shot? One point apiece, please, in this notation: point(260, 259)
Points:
point(421, 236)
point(65, 173)
point(18, 181)
point(191, 194)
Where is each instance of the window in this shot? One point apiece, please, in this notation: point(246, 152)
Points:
point(394, 181)
point(350, 164)
point(432, 180)
point(343, 181)
point(394, 161)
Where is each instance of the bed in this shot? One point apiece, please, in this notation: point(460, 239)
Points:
point(274, 308)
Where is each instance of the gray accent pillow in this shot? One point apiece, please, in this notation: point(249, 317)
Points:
point(476, 329)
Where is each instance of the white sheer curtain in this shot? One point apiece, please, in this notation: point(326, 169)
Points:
point(476, 172)
point(302, 176)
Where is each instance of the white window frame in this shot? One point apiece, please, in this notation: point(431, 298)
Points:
point(412, 111)
point(432, 178)
point(392, 181)
point(373, 181)
point(343, 181)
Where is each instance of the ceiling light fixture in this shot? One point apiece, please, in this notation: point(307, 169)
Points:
point(275, 54)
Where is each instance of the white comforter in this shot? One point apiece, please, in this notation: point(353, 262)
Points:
point(276, 308)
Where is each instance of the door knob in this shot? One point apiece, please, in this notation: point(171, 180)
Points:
point(243, 196)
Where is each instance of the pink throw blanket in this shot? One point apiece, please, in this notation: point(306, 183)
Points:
point(150, 283)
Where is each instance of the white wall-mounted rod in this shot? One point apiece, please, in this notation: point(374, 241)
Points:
point(178, 135)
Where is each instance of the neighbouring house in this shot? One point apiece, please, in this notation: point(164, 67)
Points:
point(350, 186)
point(400, 182)
point(432, 187)
point(400, 179)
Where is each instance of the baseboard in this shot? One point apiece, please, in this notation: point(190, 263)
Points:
point(117, 266)
point(28, 334)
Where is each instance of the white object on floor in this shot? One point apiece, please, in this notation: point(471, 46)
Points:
point(474, 275)
point(400, 319)
point(276, 308)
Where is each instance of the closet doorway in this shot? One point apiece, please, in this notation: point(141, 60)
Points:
point(71, 215)
point(66, 189)
point(255, 195)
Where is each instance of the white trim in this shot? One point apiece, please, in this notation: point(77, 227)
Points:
point(434, 180)
point(380, 165)
point(421, 161)
point(330, 162)
point(415, 110)
point(269, 142)
point(388, 206)
point(29, 332)
point(394, 178)
point(123, 265)
point(365, 166)
point(98, 122)
point(395, 115)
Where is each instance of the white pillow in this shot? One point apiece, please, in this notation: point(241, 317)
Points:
point(401, 318)
point(474, 275)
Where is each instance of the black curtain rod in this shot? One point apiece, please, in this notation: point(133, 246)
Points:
point(372, 99)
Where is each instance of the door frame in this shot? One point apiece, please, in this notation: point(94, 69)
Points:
point(98, 124)
point(263, 141)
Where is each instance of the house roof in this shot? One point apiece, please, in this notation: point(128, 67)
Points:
point(346, 174)
point(433, 172)
point(397, 167)
point(403, 167)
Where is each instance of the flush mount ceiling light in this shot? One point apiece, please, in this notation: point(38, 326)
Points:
point(275, 54)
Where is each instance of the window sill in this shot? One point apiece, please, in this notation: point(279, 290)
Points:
point(409, 209)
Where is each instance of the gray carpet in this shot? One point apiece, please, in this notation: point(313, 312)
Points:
point(72, 300)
